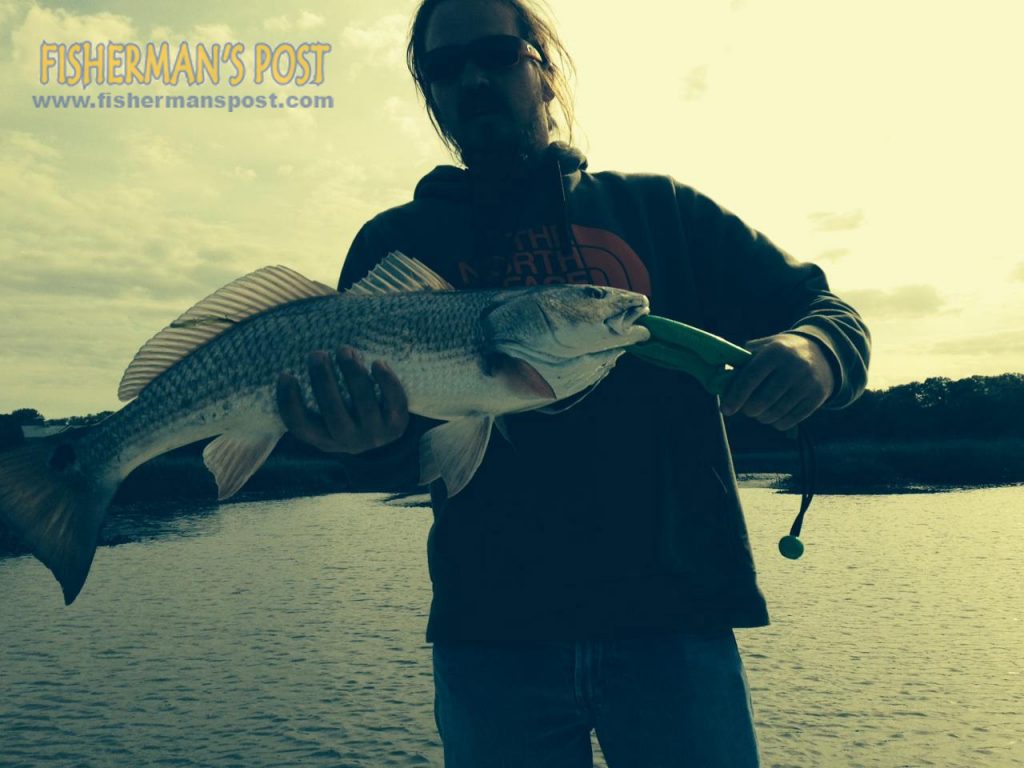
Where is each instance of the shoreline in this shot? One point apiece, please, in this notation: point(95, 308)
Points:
point(894, 467)
point(162, 487)
point(786, 483)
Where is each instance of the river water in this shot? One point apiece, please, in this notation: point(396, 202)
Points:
point(291, 633)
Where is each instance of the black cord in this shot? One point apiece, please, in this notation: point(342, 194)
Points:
point(808, 475)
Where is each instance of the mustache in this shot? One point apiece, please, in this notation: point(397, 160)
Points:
point(479, 101)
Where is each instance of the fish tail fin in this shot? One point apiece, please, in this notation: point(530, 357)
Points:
point(55, 506)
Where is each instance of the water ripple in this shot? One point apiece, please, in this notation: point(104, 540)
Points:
point(291, 632)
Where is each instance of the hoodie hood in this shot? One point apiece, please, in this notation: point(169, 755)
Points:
point(459, 185)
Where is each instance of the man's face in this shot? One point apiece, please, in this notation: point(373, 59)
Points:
point(491, 114)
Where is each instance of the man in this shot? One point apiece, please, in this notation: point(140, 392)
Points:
point(592, 572)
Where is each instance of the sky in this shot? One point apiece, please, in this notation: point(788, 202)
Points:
point(878, 139)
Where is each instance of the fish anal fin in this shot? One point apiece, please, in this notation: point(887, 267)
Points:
point(453, 451)
point(518, 375)
point(235, 456)
point(398, 273)
point(247, 296)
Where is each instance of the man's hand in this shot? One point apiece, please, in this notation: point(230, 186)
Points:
point(787, 379)
point(339, 428)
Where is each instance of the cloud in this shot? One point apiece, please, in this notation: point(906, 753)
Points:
point(277, 24)
point(306, 20)
point(908, 301)
point(28, 178)
point(8, 10)
point(411, 121)
point(833, 254)
point(155, 153)
point(120, 243)
point(309, 20)
point(381, 43)
point(211, 33)
point(1004, 343)
point(61, 26)
point(695, 83)
point(832, 221)
point(1018, 273)
point(30, 145)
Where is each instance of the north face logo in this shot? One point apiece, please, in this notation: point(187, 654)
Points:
point(597, 256)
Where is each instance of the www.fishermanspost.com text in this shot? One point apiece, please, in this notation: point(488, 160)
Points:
point(230, 102)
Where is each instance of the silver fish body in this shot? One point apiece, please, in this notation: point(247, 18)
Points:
point(463, 357)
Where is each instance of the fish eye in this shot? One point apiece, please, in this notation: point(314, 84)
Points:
point(593, 292)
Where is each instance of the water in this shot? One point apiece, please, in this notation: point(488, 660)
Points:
point(291, 633)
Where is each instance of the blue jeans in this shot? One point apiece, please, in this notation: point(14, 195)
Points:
point(670, 700)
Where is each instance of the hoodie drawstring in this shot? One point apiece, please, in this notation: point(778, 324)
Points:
point(566, 238)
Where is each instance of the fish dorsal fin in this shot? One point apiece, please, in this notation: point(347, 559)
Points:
point(398, 273)
point(247, 296)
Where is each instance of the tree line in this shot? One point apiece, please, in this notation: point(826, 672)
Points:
point(938, 408)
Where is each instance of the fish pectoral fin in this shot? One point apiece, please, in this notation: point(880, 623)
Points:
point(235, 456)
point(453, 451)
point(567, 402)
point(518, 375)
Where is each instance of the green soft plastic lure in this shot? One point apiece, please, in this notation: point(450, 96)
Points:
point(711, 360)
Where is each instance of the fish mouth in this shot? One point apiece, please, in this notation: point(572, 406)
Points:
point(624, 323)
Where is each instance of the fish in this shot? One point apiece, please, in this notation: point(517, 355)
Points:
point(466, 358)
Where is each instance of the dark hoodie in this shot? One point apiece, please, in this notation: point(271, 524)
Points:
point(620, 514)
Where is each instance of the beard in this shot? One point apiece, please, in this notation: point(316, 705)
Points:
point(491, 136)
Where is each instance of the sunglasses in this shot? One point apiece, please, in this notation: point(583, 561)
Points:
point(492, 53)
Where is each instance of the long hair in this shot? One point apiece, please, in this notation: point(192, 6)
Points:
point(535, 27)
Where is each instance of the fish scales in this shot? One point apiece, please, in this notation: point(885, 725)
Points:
point(420, 335)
